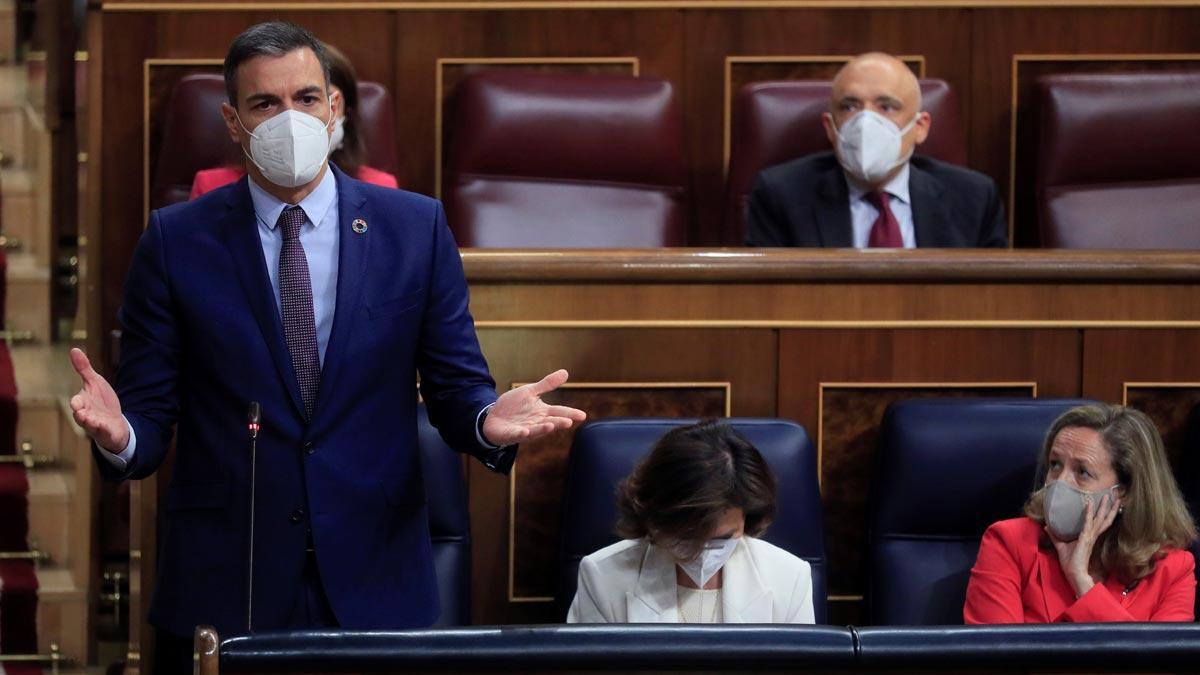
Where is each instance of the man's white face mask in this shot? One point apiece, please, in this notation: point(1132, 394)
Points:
point(289, 148)
point(868, 145)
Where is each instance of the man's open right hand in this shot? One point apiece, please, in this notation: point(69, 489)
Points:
point(97, 408)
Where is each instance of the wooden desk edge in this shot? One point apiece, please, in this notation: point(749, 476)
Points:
point(747, 265)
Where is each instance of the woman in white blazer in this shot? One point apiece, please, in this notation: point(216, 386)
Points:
point(690, 512)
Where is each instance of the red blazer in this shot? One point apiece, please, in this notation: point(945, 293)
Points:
point(1017, 580)
point(207, 180)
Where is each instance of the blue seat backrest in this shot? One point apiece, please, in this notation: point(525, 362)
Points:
point(449, 522)
point(946, 469)
point(605, 452)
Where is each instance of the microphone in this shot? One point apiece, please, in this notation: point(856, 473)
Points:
point(253, 424)
point(253, 418)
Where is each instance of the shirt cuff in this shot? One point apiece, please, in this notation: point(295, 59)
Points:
point(479, 429)
point(120, 460)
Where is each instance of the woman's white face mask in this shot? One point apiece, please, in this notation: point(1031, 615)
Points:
point(869, 145)
point(712, 558)
point(338, 137)
point(290, 148)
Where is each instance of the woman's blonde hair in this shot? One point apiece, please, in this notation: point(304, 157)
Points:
point(1154, 516)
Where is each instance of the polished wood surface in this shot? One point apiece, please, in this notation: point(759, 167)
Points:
point(761, 265)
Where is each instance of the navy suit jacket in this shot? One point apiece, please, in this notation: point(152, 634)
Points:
point(805, 202)
point(202, 337)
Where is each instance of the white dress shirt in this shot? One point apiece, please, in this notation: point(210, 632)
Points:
point(863, 213)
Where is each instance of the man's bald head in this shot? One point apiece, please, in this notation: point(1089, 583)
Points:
point(876, 73)
point(883, 84)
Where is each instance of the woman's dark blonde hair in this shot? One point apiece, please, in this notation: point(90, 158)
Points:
point(1154, 516)
point(678, 493)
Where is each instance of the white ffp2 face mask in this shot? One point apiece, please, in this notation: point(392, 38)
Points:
point(289, 148)
point(712, 558)
point(868, 145)
point(1064, 508)
point(338, 137)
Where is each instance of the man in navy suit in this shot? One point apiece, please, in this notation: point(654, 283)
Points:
point(871, 192)
point(321, 298)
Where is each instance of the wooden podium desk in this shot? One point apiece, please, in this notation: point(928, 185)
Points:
point(827, 338)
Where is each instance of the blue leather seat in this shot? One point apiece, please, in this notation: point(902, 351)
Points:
point(946, 469)
point(605, 452)
point(449, 522)
point(1057, 647)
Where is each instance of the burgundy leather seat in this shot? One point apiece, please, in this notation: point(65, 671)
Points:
point(193, 138)
point(194, 135)
point(378, 120)
point(774, 122)
point(557, 160)
point(1119, 160)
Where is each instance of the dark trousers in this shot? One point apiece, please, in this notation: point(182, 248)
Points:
point(173, 653)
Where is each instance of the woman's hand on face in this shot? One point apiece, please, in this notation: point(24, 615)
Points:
point(1075, 556)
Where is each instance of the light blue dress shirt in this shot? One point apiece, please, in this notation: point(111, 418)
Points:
point(863, 213)
point(320, 236)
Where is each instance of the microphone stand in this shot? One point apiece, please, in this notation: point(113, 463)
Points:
point(253, 423)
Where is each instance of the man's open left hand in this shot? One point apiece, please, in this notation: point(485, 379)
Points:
point(521, 415)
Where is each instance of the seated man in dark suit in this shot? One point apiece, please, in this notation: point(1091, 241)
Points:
point(871, 191)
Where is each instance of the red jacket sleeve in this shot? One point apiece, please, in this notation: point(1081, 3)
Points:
point(1177, 603)
point(994, 592)
point(1179, 600)
point(1096, 605)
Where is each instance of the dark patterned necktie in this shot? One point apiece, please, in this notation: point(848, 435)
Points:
point(296, 301)
point(885, 232)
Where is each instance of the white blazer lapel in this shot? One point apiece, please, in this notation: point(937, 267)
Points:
point(744, 598)
point(654, 598)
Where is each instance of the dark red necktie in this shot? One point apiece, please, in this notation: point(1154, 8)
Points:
point(296, 301)
point(885, 233)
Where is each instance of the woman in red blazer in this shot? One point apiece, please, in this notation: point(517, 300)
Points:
point(1103, 540)
point(348, 148)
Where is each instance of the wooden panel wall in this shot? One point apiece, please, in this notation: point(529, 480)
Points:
point(419, 51)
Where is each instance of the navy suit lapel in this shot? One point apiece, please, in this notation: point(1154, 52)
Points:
point(352, 265)
point(240, 227)
point(931, 222)
point(832, 211)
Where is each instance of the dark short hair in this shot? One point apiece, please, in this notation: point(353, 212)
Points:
point(694, 474)
point(273, 38)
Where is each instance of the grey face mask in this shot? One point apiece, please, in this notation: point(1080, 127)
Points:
point(1064, 507)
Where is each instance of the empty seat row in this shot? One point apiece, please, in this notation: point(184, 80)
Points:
point(556, 160)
